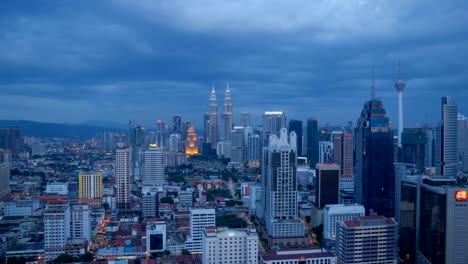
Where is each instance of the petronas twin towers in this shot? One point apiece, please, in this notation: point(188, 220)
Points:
point(213, 133)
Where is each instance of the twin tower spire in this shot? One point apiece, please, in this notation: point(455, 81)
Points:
point(211, 123)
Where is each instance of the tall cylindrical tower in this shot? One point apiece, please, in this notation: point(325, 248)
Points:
point(400, 87)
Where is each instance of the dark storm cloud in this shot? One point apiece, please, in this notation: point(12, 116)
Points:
point(145, 60)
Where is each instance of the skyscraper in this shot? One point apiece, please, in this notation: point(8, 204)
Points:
point(90, 184)
point(343, 152)
point(245, 119)
point(10, 139)
point(413, 143)
point(175, 143)
point(375, 180)
point(136, 144)
point(327, 184)
point(253, 148)
point(4, 178)
point(176, 124)
point(463, 142)
point(272, 123)
point(122, 173)
point(56, 229)
point(312, 141)
point(400, 87)
point(226, 117)
point(296, 126)
point(191, 144)
point(153, 167)
point(237, 145)
point(279, 199)
point(213, 120)
point(200, 218)
point(161, 134)
point(446, 151)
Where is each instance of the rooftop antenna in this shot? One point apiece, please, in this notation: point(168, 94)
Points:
point(373, 85)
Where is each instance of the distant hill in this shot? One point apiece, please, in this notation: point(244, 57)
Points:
point(50, 130)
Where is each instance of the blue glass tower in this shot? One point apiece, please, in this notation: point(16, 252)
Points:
point(375, 180)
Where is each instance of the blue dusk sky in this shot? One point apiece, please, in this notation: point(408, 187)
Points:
point(74, 61)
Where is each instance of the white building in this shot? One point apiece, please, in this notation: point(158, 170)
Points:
point(333, 213)
point(200, 218)
point(122, 173)
point(223, 149)
point(153, 167)
point(57, 187)
point(80, 225)
point(299, 256)
point(185, 200)
point(156, 237)
point(223, 246)
point(56, 229)
point(21, 207)
point(255, 196)
point(175, 142)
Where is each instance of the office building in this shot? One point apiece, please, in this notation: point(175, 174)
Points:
point(332, 213)
point(24, 207)
point(122, 173)
point(10, 139)
point(200, 218)
point(175, 143)
point(253, 148)
point(279, 199)
point(325, 152)
point(272, 122)
point(245, 119)
point(327, 184)
point(413, 143)
point(312, 142)
point(374, 181)
point(226, 246)
point(446, 141)
point(4, 178)
point(463, 143)
point(212, 136)
point(298, 256)
point(185, 200)
point(176, 124)
point(80, 224)
point(343, 152)
point(156, 236)
point(56, 229)
point(296, 126)
point(60, 188)
point(161, 134)
point(150, 204)
point(430, 148)
point(237, 145)
point(406, 216)
point(137, 134)
point(90, 184)
point(191, 144)
point(226, 117)
point(223, 149)
point(367, 239)
point(153, 167)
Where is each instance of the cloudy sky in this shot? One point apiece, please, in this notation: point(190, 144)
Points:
point(73, 61)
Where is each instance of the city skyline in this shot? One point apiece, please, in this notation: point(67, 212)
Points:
point(126, 61)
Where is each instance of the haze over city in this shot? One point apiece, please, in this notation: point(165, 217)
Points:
point(74, 61)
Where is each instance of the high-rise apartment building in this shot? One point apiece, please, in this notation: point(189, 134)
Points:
point(4, 178)
point(327, 184)
point(367, 239)
point(296, 126)
point(80, 224)
point(272, 123)
point(122, 173)
point(90, 184)
point(253, 148)
point(343, 152)
point(150, 204)
point(153, 167)
point(374, 181)
point(10, 139)
point(226, 117)
point(200, 218)
point(226, 246)
point(56, 229)
point(446, 151)
point(279, 199)
point(312, 142)
point(333, 213)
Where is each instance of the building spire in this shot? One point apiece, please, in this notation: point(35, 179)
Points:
point(373, 85)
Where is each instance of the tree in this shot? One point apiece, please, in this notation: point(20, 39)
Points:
point(87, 257)
point(185, 252)
point(166, 253)
point(64, 258)
point(318, 231)
point(106, 206)
point(167, 200)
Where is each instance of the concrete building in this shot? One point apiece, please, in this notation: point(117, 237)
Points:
point(343, 152)
point(272, 122)
point(122, 173)
point(156, 236)
point(226, 246)
point(279, 206)
point(57, 188)
point(237, 145)
point(298, 256)
point(185, 200)
point(200, 218)
point(90, 184)
point(253, 148)
point(175, 142)
point(153, 167)
point(325, 152)
point(245, 119)
point(333, 213)
point(4, 178)
point(10, 139)
point(446, 141)
point(21, 207)
point(80, 224)
point(56, 229)
point(367, 239)
point(463, 143)
point(223, 149)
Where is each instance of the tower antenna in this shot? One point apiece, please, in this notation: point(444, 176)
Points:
point(373, 85)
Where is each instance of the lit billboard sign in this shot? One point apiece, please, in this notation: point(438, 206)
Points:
point(461, 195)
